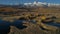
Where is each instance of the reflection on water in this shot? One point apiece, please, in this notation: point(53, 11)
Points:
point(19, 24)
point(5, 26)
point(54, 24)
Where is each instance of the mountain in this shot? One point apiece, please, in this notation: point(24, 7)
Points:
point(41, 4)
point(36, 4)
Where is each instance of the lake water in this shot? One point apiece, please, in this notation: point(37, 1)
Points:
point(5, 26)
point(53, 24)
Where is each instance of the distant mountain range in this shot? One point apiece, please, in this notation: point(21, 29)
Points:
point(13, 6)
point(42, 4)
point(34, 4)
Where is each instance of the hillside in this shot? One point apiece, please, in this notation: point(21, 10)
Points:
point(42, 20)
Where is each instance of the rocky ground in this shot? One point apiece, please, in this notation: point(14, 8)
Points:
point(32, 19)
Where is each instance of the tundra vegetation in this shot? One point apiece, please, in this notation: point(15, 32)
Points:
point(32, 21)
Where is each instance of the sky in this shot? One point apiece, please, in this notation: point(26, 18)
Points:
point(25, 1)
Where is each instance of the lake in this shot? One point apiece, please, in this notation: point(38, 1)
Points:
point(5, 25)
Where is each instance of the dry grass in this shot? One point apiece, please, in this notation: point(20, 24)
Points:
point(33, 14)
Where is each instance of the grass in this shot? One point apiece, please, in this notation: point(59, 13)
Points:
point(32, 13)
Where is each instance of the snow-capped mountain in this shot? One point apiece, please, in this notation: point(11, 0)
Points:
point(35, 4)
point(41, 4)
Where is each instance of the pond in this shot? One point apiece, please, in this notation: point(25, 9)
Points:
point(53, 24)
point(5, 26)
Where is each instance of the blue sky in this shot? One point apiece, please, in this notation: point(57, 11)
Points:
point(23, 1)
